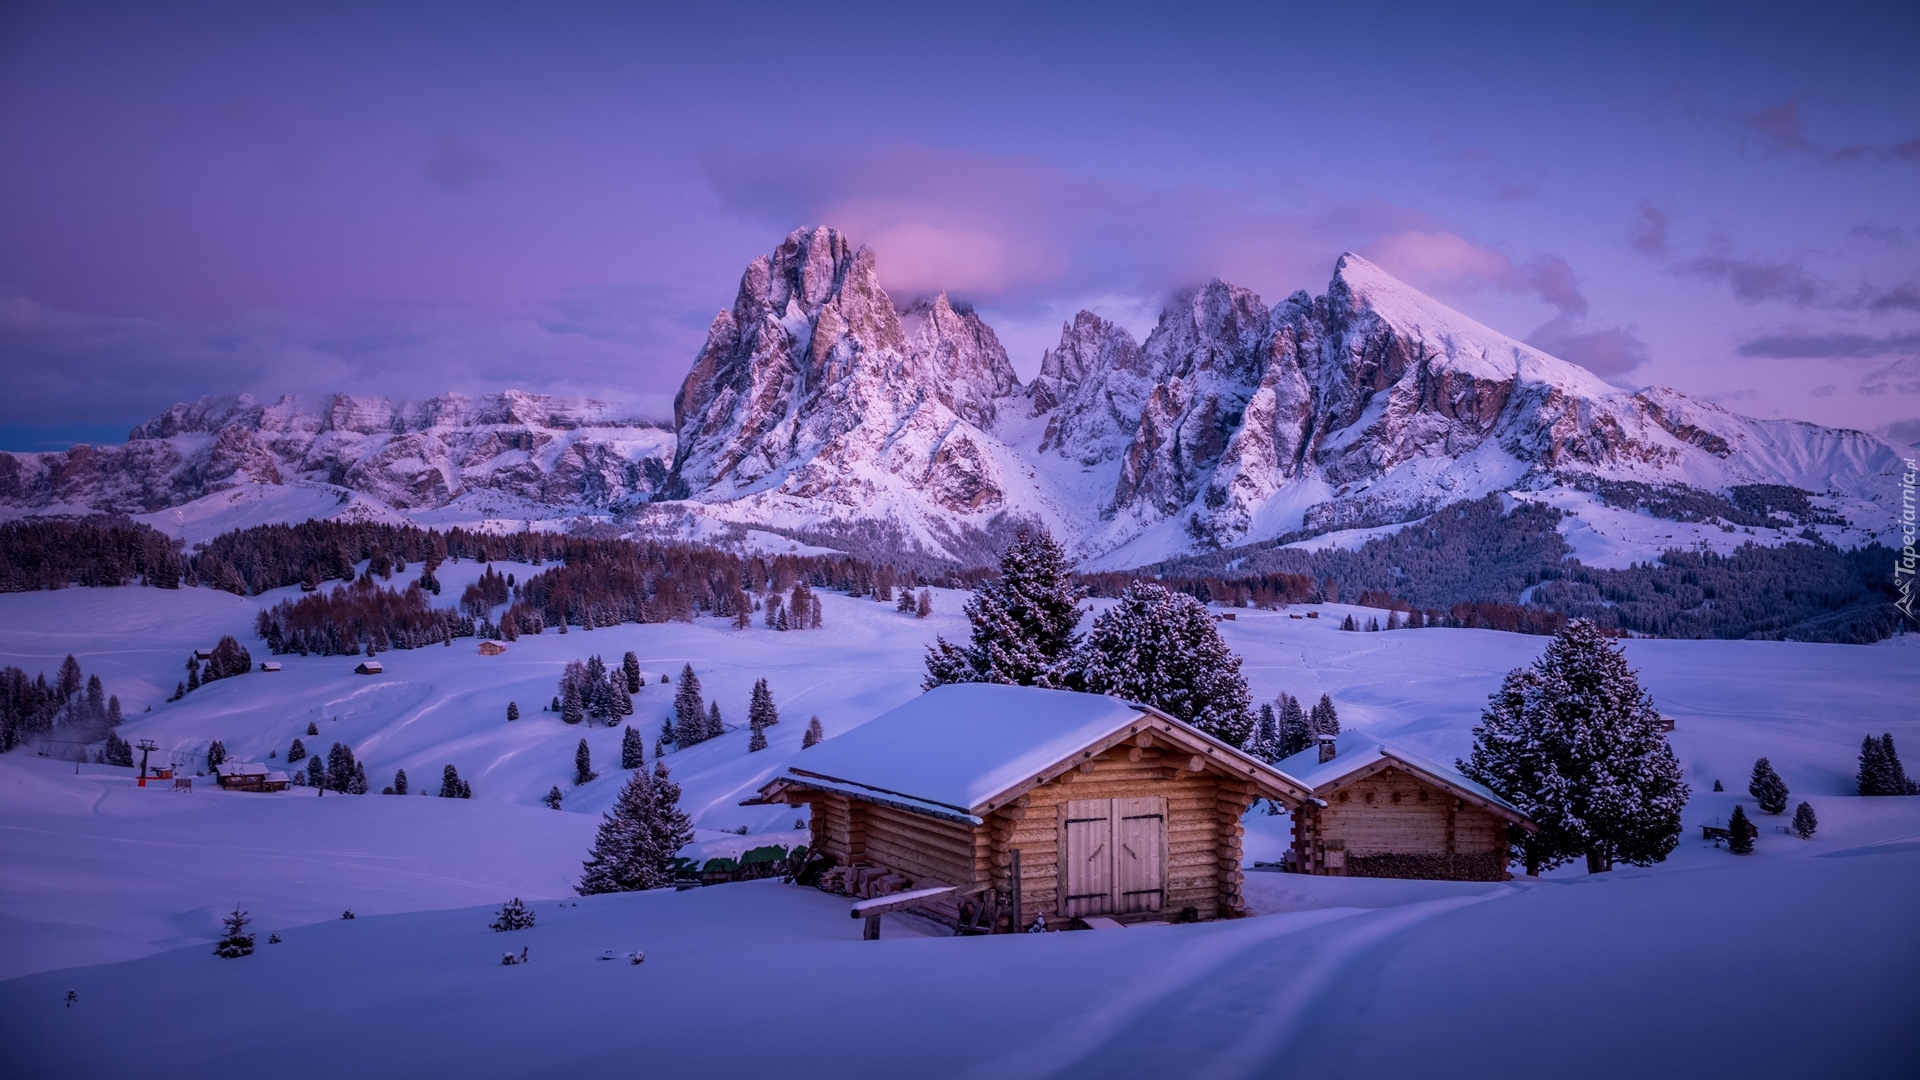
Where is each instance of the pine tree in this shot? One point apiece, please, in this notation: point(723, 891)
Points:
point(1347, 624)
point(906, 605)
point(216, 753)
point(633, 749)
point(1163, 649)
point(815, 734)
point(358, 785)
point(1894, 779)
point(923, 607)
point(235, 942)
point(1324, 721)
point(1717, 786)
point(513, 711)
point(296, 752)
point(514, 916)
point(1023, 621)
point(1740, 832)
point(1266, 735)
point(69, 681)
point(313, 728)
point(715, 727)
point(630, 667)
point(689, 720)
point(1767, 788)
point(639, 837)
point(570, 709)
point(552, 798)
point(760, 707)
point(583, 764)
point(316, 772)
point(758, 741)
point(666, 732)
point(399, 781)
point(114, 716)
point(1804, 821)
point(1576, 745)
point(119, 751)
point(451, 786)
point(340, 768)
point(1296, 732)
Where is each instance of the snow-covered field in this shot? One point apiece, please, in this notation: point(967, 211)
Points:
point(1795, 962)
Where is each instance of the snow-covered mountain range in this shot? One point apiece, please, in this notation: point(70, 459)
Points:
point(819, 405)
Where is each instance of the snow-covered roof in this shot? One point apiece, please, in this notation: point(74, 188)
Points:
point(239, 768)
point(959, 746)
point(1355, 751)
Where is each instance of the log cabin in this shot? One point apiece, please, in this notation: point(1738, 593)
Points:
point(1109, 809)
point(1381, 811)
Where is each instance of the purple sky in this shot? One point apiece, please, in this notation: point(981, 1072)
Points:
point(409, 199)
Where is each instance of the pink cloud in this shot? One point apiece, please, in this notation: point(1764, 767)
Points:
point(1446, 263)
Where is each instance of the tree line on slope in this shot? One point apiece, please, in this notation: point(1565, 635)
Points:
point(94, 551)
point(1483, 563)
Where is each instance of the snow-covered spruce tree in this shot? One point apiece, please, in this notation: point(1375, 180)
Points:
point(1576, 745)
point(638, 837)
point(552, 798)
point(1347, 624)
point(513, 711)
point(1296, 733)
point(235, 942)
point(340, 767)
point(760, 709)
point(905, 605)
point(630, 667)
point(358, 785)
point(1163, 649)
point(1023, 621)
point(119, 751)
point(316, 771)
point(1266, 735)
point(583, 764)
point(689, 712)
point(570, 707)
point(1805, 821)
point(313, 728)
point(633, 749)
point(1324, 720)
point(1881, 772)
point(1740, 832)
point(399, 781)
point(815, 734)
point(513, 916)
point(451, 786)
point(216, 753)
point(1767, 788)
point(758, 741)
point(716, 727)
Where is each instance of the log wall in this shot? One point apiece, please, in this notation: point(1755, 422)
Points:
point(1393, 823)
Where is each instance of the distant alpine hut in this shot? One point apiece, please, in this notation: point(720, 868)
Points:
point(491, 648)
point(249, 776)
point(269, 665)
point(368, 667)
point(1111, 810)
point(1379, 811)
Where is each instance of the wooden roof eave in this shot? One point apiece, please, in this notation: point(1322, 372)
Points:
point(779, 786)
point(1387, 760)
point(1268, 782)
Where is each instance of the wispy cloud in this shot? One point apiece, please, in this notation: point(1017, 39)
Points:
point(1782, 130)
point(457, 165)
point(1835, 346)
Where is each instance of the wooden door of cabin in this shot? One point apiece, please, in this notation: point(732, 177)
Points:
point(1113, 856)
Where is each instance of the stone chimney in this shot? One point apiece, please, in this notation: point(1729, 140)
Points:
point(1326, 748)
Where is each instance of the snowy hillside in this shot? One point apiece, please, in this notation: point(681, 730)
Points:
point(1353, 977)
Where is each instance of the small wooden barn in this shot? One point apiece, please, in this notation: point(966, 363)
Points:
point(491, 648)
point(249, 776)
point(1380, 811)
point(1110, 809)
point(368, 667)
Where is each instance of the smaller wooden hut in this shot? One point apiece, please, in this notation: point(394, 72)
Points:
point(1109, 809)
point(1381, 811)
point(368, 667)
point(491, 648)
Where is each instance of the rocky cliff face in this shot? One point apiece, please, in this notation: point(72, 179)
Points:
point(407, 455)
point(817, 403)
point(813, 387)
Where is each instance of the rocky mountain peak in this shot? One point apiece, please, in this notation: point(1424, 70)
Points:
point(962, 355)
